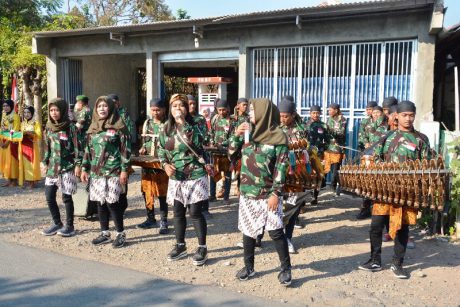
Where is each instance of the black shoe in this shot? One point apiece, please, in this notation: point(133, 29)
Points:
point(298, 224)
point(207, 215)
point(285, 277)
point(163, 228)
point(103, 238)
point(371, 265)
point(338, 191)
point(399, 272)
point(201, 255)
point(66, 231)
point(245, 274)
point(120, 240)
point(178, 252)
point(147, 224)
point(364, 214)
point(52, 230)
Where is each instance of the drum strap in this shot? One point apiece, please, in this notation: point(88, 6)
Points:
point(200, 158)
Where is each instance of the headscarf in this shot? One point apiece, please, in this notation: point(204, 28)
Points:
point(11, 104)
point(267, 118)
point(241, 100)
point(221, 103)
point(389, 101)
point(315, 108)
point(31, 110)
point(64, 122)
point(112, 121)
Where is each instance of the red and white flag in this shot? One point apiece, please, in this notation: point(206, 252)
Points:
point(14, 89)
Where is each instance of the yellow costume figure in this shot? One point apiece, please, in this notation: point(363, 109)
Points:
point(9, 156)
point(32, 134)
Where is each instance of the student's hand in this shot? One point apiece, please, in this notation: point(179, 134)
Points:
point(241, 129)
point(124, 178)
point(209, 169)
point(272, 203)
point(43, 169)
point(84, 177)
point(179, 117)
point(142, 151)
point(77, 171)
point(170, 170)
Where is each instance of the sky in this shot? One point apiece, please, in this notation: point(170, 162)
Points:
point(211, 8)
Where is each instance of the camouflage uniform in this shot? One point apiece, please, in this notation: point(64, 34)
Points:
point(124, 114)
point(263, 173)
point(336, 128)
point(364, 127)
point(377, 130)
point(200, 121)
point(83, 121)
point(107, 154)
point(61, 156)
point(154, 182)
point(317, 135)
point(220, 131)
point(398, 147)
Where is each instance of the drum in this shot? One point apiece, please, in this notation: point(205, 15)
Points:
point(305, 171)
point(220, 161)
point(146, 162)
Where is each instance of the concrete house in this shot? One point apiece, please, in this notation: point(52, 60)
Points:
point(345, 53)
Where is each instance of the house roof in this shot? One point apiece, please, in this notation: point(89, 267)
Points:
point(305, 13)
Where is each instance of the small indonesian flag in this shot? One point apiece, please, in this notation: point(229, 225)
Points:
point(410, 146)
point(14, 89)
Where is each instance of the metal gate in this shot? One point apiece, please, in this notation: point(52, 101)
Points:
point(72, 80)
point(348, 74)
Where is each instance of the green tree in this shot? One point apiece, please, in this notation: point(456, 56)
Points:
point(182, 14)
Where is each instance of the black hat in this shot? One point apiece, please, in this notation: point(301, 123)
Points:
point(287, 97)
point(388, 102)
point(157, 102)
point(371, 104)
point(286, 106)
point(406, 106)
point(221, 103)
point(393, 109)
point(315, 108)
point(191, 97)
point(334, 106)
point(377, 108)
point(114, 97)
point(241, 100)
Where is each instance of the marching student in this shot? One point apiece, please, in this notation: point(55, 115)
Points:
point(61, 164)
point(105, 163)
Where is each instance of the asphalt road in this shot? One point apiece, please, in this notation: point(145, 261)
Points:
point(33, 277)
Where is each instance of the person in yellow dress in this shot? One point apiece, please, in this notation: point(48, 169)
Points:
point(32, 134)
point(9, 165)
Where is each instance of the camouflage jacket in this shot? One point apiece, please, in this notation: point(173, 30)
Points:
point(336, 128)
point(124, 114)
point(296, 131)
point(364, 126)
point(220, 131)
point(150, 140)
point(237, 120)
point(403, 145)
point(83, 121)
point(200, 121)
point(377, 130)
point(61, 151)
point(317, 135)
point(173, 151)
point(107, 153)
point(263, 167)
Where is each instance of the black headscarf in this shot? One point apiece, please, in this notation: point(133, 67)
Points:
point(112, 121)
point(406, 106)
point(11, 104)
point(64, 122)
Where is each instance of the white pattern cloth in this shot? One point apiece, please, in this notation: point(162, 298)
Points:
point(66, 182)
point(253, 215)
point(187, 191)
point(105, 190)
